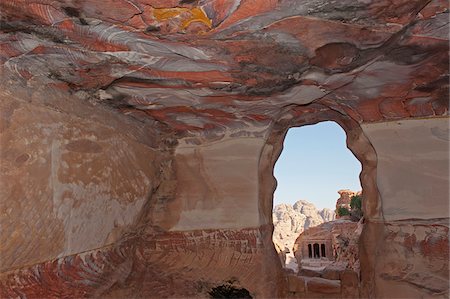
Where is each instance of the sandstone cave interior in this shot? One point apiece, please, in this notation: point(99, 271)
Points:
point(138, 140)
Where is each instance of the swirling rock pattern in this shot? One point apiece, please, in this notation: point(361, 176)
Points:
point(130, 124)
point(374, 60)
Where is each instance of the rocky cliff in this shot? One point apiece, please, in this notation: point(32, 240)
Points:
point(290, 221)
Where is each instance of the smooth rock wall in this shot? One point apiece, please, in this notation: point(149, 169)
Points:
point(218, 184)
point(413, 172)
point(412, 178)
point(70, 183)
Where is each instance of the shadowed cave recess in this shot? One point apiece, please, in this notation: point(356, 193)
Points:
point(139, 138)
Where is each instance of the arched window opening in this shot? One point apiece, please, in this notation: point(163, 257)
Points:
point(309, 251)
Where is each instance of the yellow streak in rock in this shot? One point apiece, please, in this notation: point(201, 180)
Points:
point(162, 14)
point(196, 14)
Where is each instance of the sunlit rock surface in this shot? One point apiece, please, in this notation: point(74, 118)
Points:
point(138, 140)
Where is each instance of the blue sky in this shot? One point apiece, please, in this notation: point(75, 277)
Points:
point(314, 165)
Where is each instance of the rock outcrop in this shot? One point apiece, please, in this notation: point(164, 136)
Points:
point(345, 197)
point(281, 251)
point(138, 140)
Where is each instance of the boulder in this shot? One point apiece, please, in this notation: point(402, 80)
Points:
point(296, 284)
point(350, 284)
point(323, 286)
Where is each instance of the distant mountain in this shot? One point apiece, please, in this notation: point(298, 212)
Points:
point(290, 221)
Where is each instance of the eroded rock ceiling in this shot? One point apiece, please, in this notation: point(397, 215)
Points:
point(206, 65)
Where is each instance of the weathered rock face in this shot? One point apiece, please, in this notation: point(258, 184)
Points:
point(281, 251)
point(290, 221)
point(63, 168)
point(138, 140)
